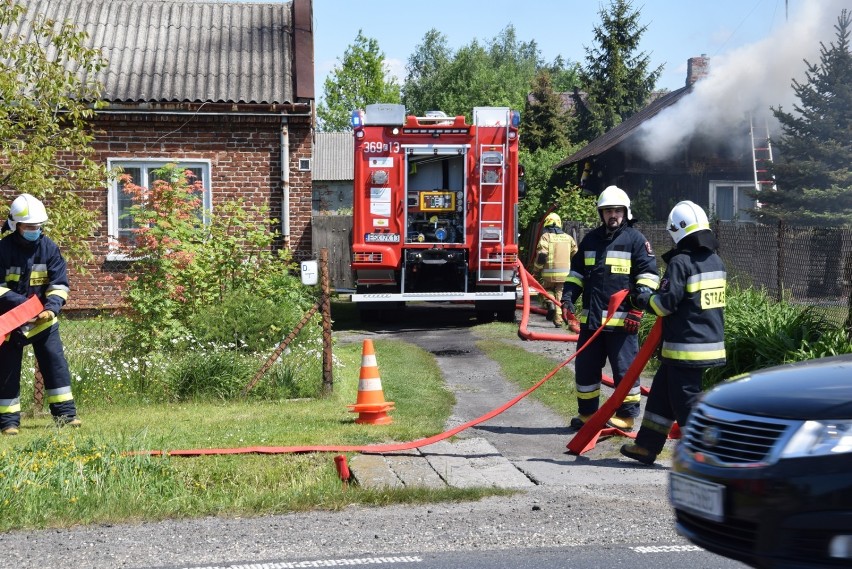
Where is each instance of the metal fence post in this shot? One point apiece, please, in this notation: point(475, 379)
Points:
point(325, 302)
point(779, 240)
point(38, 391)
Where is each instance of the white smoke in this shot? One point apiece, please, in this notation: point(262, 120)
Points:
point(746, 81)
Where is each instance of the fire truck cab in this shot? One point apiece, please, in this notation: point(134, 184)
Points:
point(435, 209)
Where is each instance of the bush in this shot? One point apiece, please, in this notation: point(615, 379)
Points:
point(761, 332)
point(250, 323)
point(217, 373)
point(184, 268)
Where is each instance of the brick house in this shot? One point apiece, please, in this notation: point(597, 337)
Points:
point(223, 88)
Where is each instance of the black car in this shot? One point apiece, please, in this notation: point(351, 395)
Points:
point(763, 472)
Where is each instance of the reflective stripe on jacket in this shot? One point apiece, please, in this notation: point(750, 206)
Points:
point(32, 269)
point(691, 301)
point(606, 264)
point(559, 247)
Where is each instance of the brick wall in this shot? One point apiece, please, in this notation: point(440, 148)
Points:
point(245, 161)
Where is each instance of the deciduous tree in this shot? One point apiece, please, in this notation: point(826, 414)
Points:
point(48, 93)
point(424, 70)
point(493, 73)
point(359, 80)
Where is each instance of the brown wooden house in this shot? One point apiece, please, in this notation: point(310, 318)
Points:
point(223, 88)
point(713, 173)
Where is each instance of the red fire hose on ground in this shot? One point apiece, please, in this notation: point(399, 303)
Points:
point(523, 331)
point(614, 302)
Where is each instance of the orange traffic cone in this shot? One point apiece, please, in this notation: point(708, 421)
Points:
point(371, 404)
point(675, 432)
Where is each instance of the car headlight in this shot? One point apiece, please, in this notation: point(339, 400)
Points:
point(819, 438)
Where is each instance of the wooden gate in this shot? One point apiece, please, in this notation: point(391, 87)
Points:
point(334, 232)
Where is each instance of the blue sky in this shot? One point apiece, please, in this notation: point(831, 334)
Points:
point(677, 29)
point(756, 48)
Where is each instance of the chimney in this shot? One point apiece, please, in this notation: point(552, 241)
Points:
point(697, 68)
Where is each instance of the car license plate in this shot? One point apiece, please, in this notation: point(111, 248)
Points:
point(705, 499)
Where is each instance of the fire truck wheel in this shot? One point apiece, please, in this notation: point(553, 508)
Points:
point(485, 316)
point(506, 315)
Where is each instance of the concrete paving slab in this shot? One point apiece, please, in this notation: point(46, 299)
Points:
point(414, 471)
point(465, 463)
point(371, 471)
point(474, 462)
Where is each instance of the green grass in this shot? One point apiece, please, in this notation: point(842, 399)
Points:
point(59, 478)
point(525, 369)
point(53, 477)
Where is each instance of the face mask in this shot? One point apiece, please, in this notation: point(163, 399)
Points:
point(32, 235)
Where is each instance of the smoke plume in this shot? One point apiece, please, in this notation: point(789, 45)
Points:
point(746, 81)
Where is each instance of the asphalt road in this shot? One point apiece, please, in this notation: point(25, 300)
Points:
point(598, 500)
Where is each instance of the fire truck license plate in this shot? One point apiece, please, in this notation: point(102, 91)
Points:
point(381, 237)
point(702, 498)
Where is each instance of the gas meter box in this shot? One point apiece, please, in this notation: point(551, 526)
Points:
point(309, 273)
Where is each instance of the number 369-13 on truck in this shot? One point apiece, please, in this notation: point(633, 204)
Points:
point(436, 209)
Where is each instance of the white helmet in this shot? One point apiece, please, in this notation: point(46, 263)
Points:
point(686, 218)
point(26, 209)
point(613, 196)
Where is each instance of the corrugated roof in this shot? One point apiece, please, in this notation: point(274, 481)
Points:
point(184, 50)
point(617, 134)
point(334, 156)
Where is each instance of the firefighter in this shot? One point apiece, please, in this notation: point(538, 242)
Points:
point(31, 264)
point(691, 302)
point(613, 257)
point(553, 260)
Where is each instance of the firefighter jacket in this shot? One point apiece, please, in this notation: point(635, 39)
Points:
point(32, 269)
point(553, 255)
point(691, 301)
point(605, 264)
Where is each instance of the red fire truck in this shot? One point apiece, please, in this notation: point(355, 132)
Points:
point(436, 209)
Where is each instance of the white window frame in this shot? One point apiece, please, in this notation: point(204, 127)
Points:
point(144, 164)
point(739, 209)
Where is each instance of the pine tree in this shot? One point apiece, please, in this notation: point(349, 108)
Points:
point(616, 78)
point(544, 122)
point(815, 150)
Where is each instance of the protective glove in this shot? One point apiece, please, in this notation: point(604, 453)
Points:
point(568, 311)
point(42, 316)
point(639, 297)
point(573, 324)
point(631, 322)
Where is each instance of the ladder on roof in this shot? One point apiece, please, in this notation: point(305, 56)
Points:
point(761, 154)
point(492, 189)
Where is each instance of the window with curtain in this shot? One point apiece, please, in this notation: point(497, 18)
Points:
point(729, 201)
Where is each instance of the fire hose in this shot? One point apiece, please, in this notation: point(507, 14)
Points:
point(525, 334)
point(614, 302)
point(21, 314)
